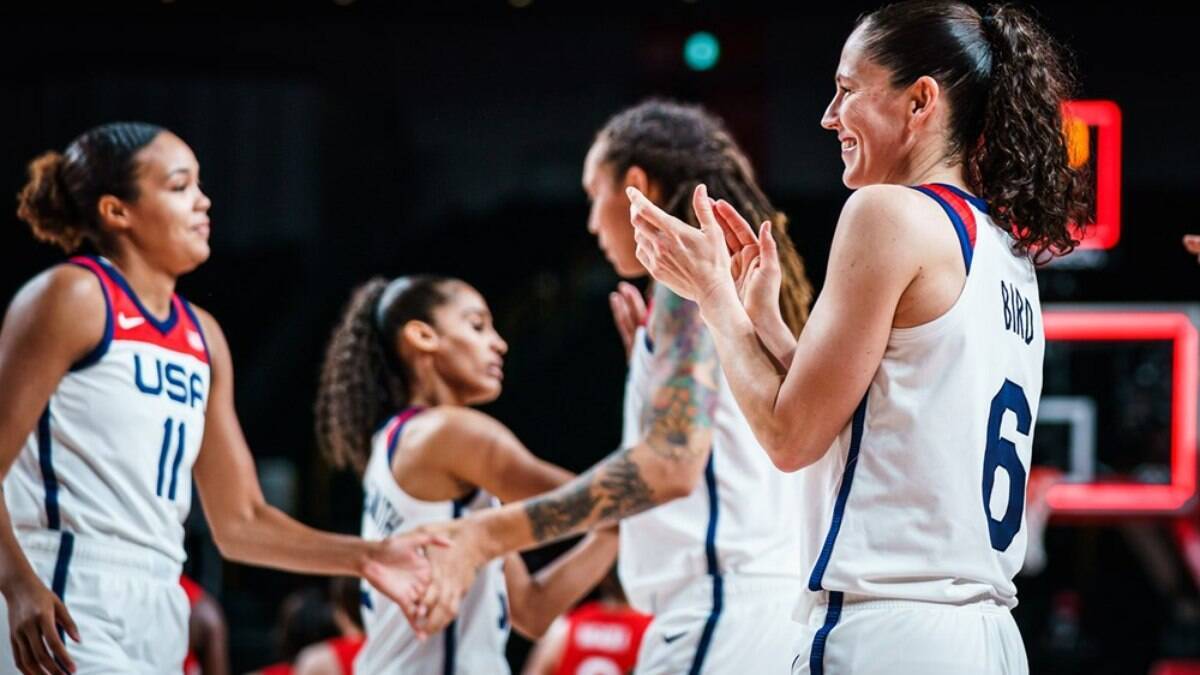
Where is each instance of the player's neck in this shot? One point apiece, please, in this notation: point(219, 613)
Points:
point(428, 389)
point(154, 286)
point(927, 164)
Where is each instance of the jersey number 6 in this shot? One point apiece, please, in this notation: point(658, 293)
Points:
point(1002, 452)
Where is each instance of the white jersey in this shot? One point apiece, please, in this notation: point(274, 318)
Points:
point(475, 641)
point(111, 457)
point(738, 521)
point(923, 493)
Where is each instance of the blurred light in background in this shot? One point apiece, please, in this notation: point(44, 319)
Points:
point(701, 51)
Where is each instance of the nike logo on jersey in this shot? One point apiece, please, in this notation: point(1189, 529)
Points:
point(671, 638)
point(129, 322)
point(195, 341)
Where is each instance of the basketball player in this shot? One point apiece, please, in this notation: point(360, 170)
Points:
point(412, 354)
point(712, 563)
point(601, 637)
point(909, 399)
point(335, 655)
point(112, 388)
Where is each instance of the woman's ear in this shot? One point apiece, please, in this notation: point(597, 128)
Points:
point(636, 176)
point(420, 335)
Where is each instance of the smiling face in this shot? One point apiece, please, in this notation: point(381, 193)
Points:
point(168, 220)
point(870, 117)
point(469, 355)
point(608, 218)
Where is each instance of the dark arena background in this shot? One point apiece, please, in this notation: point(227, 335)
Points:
point(348, 138)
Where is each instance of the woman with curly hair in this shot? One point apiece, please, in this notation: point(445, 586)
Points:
point(404, 365)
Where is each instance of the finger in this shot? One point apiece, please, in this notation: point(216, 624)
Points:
point(646, 257)
point(741, 228)
point(634, 300)
point(21, 654)
point(427, 601)
point(442, 613)
point(429, 539)
point(703, 207)
point(64, 619)
point(409, 606)
point(731, 238)
point(646, 212)
point(621, 318)
point(42, 658)
point(767, 245)
point(59, 651)
point(1192, 242)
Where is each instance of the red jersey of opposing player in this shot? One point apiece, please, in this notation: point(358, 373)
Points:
point(602, 640)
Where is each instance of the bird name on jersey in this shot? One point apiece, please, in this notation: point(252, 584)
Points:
point(168, 379)
point(382, 513)
point(1018, 312)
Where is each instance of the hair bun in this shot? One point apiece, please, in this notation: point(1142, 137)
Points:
point(46, 206)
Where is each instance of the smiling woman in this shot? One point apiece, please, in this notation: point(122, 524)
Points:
point(116, 392)
point(908, 400)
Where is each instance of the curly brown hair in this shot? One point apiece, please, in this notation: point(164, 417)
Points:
point(680, 146)
point(363, 379)
point(1006, 79)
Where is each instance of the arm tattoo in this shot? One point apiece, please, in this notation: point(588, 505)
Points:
point(677, 423)
point(678, 417)
point(615, 486)
point(625, 491)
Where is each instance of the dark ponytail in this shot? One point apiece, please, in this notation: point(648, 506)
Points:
point(1023, 168)
point(1006, 79)
point(59, 199)
point(363, 379)
point(680, 146)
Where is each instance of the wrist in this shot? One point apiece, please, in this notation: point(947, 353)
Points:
point(23, 576)
point(717, 301)
point(479, 538)
point(364, 557)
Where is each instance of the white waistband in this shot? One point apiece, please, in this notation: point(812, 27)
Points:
point(852, 602)
point(112, 554)
point(701, 591)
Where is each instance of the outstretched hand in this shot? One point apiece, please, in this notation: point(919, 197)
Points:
point(454, 568)
point(399, 567)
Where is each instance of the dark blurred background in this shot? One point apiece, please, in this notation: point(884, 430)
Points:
point(343, 139)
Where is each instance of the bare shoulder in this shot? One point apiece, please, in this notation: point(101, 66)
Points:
point(452, 424)
point(64, 287)
point(886, 210)
point(215, 339)
point(316, 659)
point(207, 322)
point(66, 301)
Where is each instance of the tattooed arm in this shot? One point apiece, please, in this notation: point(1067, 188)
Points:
point(677, 434)
point(665, 464)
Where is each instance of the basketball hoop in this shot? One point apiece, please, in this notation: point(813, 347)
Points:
point(1037, 515)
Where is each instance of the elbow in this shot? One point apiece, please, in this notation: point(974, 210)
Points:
point(233, 532)
point(790, 453)
point(790, 461)
point(529, 621)
point(677, 482)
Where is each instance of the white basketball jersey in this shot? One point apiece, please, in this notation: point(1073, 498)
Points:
point(922, 495)
point(736, 522)
point(112, 453)
point(475, 642)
